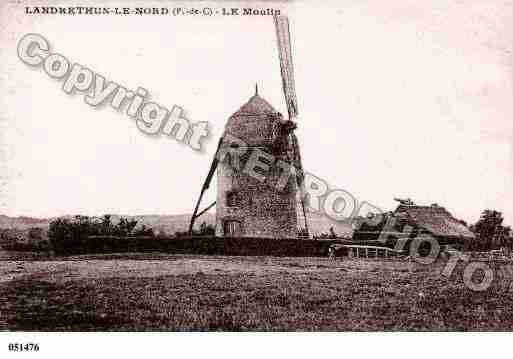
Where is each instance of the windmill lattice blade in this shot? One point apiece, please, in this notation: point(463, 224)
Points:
point(286, 64)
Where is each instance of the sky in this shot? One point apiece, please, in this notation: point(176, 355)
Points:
point(403, 99)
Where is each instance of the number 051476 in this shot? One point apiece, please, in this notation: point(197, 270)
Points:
point(23, 347)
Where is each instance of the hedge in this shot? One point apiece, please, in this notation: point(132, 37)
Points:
point(195, 245)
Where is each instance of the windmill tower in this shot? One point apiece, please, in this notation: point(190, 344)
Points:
point(245, 205)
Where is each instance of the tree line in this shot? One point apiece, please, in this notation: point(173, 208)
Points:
point(65, 233)
point(69, 233)
point(490, 232)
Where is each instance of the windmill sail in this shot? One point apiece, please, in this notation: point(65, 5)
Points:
point(289, 91)
point(286, 64)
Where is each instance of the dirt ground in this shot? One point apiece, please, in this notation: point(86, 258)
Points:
point(142, 292)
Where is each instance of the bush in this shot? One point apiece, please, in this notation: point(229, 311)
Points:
point(30, 240)
point(74, 236)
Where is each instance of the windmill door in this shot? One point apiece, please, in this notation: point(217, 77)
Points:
point(232, 228)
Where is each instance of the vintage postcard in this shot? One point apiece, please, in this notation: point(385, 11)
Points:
point(240, 166)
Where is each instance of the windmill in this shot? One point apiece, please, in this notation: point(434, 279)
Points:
point(246, 207)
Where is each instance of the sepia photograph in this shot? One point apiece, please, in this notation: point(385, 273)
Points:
point(329, 169)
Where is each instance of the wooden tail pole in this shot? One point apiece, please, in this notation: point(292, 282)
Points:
point(206, 209)
point(206, 184)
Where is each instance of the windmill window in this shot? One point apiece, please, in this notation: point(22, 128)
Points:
point(232, 199)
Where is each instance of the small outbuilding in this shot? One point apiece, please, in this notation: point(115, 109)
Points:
point(412, 220)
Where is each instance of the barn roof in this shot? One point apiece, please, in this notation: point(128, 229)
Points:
point(255, 106)
point(436, 219)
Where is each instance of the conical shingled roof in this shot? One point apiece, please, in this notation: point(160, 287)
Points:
point(254, 123)
point(255, 106)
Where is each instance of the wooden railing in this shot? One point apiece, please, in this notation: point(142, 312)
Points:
point(358, 251)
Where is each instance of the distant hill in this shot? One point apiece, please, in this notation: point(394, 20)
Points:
point(176, 223)
point(321, 224)
point(23, 222)
point(167, 223)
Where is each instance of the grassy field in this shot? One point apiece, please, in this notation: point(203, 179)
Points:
point(213, 293)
